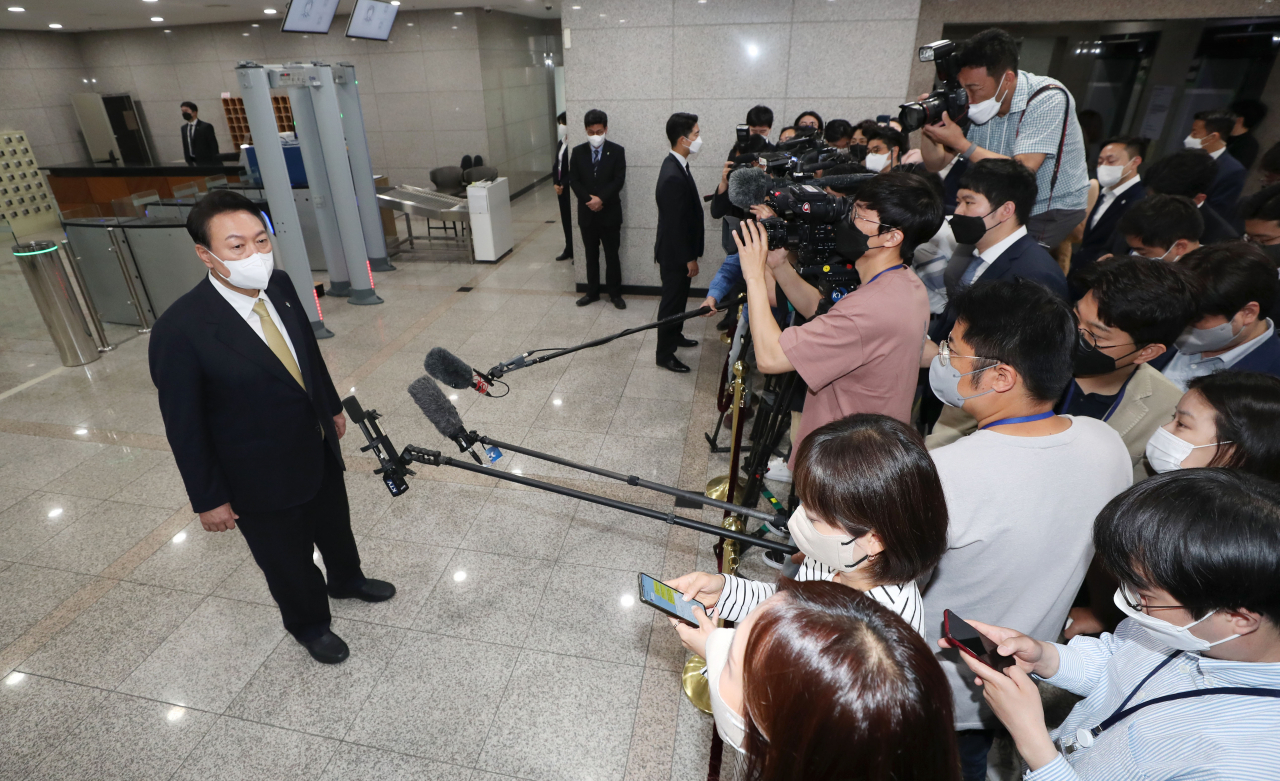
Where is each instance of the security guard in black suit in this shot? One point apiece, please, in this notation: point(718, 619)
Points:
point(560, 178)
point(199, 143)
point(597, 172)
point(680, 235)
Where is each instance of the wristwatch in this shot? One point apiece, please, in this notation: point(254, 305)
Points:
point(965, 154)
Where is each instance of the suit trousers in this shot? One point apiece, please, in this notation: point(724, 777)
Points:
point(282, 542)
point(565, 220)
point(675, 299)
point(610, 236)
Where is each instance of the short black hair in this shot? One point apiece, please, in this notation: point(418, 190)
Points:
point(1001, 181)
point(1160, 220)
point(813, 114)
point(867, 126)
point(1188, 172)
point(1133, 145)
point(190, 105)
point(1270, 160)
point(680, 125)
point(891, 138)
point(562, 118)
point(1209, 537)
point(1246, 407)
point(906, 202)
point(1021, 323)
point(1147, 298)
point(837, 129)
point(1262, 205)
point(217, 202)
point(1250, 110)
point(993, 49)
point(1229, 275)
point(1217, 121)
point(595, 117)
point(760, 116)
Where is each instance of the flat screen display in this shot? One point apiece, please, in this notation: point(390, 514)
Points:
point(372, 19)
point(309, 16)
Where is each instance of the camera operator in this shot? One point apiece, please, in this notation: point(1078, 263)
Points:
point(1019, 115)
point(862, 354)
point(808, 119)
point(885, 148)
point(839, 134)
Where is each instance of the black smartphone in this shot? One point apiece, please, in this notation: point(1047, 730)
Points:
point(660, 596)
point(972, 642)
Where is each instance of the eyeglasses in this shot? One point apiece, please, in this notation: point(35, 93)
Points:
point(944, 352)
point(857, 216)
point(1089, 340)
point(1261, 241)
point(1135, 601)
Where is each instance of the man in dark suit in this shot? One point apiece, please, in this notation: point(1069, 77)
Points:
point(199, 144)
point(680, 235)
point(254, 421)
point(560, 177)
point(597, 172)
point(1210, 131)
point(1192, 173)
point(1118, 163)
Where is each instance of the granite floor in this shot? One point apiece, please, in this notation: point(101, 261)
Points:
point(134, 645)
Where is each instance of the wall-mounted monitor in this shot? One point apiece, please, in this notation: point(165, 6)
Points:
point(309, 16)
point(371, 19)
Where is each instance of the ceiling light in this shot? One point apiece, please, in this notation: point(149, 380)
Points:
point(753, 50)
point(457, 13)
point(268, 11)
point(148, 1)
point(255, 25)
point(56, 26)
point(395, 2)
point(579, 8)
point(168, 31)
point(455, 27)
point(245, 34)
point(17, 9)
point(157, 18)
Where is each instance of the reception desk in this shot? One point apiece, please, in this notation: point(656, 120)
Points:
point(77, 185)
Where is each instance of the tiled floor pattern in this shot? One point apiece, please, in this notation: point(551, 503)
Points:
point(134, 645)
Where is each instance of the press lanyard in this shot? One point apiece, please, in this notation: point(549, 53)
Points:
point(1023, 419)
point(1071, 392)
point(886, 271)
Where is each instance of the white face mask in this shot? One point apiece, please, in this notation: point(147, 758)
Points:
point(595, 141)
point(1200, 340)
point(251, 273)
point(731, 726)
point(841, 553)
point(876, 162)
point(1191, 142)
point(1110, 175)
point(1166, 451)
point(562, 131)
point(695, 145)
point(984, 112)
point(1176, 637)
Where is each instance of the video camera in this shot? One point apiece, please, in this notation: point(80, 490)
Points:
point(950, 97)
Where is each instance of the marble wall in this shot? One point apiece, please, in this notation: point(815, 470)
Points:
point(39, 72)
point(642, 60)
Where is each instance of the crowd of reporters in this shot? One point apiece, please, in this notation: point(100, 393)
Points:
point(1051, 406)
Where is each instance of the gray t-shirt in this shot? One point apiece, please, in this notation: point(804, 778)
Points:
point(1020, 535)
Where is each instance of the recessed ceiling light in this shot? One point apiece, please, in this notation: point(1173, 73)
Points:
point(168, 31)
point(455, 27)
point(254, 25)
point(457, 13)
point(395, 2)
point(17, 9)
point(577, 8)
point(56, 26)
point(268, 11)
point(157, 18)
point(245, 34)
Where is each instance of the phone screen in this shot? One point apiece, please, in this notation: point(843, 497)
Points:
point(657, 594)
point(976, 644)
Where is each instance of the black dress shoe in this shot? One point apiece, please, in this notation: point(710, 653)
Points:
point(328, 648)
point(687, 342)
point(566, 255)
point(618, 303)
point(588, 299)
point(674, 364)
point(371, 591)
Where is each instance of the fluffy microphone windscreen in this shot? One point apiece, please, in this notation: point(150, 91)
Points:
point(748, 186)
point(438, 409)
point(448, 368)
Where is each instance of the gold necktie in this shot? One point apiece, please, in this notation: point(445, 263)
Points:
point(275, 340)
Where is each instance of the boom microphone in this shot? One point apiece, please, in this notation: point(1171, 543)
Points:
point(839, 181)
point(453, 371)
point(442, 414)
point(748, 187)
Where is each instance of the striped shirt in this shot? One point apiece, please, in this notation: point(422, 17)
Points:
point(1040, 133)
point(1211, 738)
point(740, 596)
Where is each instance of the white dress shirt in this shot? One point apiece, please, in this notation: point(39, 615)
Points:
point(990, 254)
point(244, 307)
point(1185, 367)
point(684, 161)
point(1217, 154)
point(1109, 196)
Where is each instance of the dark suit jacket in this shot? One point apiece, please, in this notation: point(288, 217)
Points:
point(607, 185)
point(680, 218)
point(1098, 237)
point(1265, 358)
point(560, 169)
point(203, 147)
point(1024, 258)
point(1216, 227)
point(241, 429)
point(1228, 183)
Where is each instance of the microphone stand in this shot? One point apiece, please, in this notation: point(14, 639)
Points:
point(524, 359)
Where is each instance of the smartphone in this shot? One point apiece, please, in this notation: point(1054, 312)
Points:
point(973, 642)
point(660, 596)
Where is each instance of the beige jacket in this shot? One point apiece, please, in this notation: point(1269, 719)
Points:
point(1148, 403)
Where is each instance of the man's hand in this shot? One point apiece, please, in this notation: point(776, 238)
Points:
point(762, 212)
point(340, 423)
point(710, 302)
point(702, 586)
point(559, 189)
point(693, 269)
point(724, 176)
point(1031, 655)
point(753, 248)
point(1015, 700)
point(947, 133)
point(219, 519)
point(695, 639)
point(777, 258)
point(595, 204)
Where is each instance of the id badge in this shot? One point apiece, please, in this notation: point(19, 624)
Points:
point(493, 453)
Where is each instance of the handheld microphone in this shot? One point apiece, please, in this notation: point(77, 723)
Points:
point(454, 372)
point(390, 467)
point(442, 414)
point(748, 187)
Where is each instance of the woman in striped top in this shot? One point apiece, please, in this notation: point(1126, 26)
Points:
point(873, 517)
